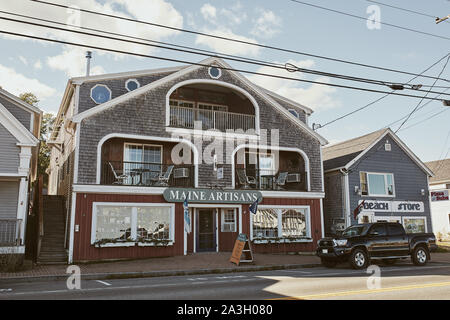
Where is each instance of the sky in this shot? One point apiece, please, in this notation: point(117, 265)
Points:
point(28, 65)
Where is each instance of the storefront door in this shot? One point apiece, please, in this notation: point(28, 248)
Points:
point(206, 230)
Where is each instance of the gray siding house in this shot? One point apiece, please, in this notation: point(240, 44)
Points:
point(372, 178)
point(123, 142)
point(19, 133)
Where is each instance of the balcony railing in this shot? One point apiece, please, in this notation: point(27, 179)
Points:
point(147, 174)
point(10, 232)
point(262, 179)
point(181, 117)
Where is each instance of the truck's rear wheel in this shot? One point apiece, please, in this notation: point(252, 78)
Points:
point(420, 256)
point(359, 259)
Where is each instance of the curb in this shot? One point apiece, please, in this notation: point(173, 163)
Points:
point(169, 273)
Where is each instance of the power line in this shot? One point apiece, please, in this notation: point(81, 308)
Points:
point(205, 65)
point(232, 39)
point(422, 121)
point(381, 98)
point(403, 9)
point(414, 110)
point(421, 107)
point(288, 67)
point(364, 18)
point(208, 52)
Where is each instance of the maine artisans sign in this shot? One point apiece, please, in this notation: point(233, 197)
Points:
point(211, 195)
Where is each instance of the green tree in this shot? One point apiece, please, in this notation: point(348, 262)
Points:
point(44, 151)
point(46, 126)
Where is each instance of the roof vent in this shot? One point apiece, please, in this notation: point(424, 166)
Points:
point(387, 146)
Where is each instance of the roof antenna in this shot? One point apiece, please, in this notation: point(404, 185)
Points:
point(88, 62)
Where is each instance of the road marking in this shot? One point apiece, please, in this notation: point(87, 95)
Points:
point(295, 271)
point(6, 290)
point(103, 282)
point(366, 291)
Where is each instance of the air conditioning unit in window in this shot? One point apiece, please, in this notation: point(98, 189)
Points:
point(294, 177)
point(181, 173)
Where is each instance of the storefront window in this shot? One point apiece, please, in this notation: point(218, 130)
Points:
point(265, 224)
point(414, 225)
point(115, 223)
point(293, 223)
point(153, 223)
point(281, 223)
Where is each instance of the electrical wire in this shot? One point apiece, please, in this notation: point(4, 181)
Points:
point(421, 107)
point(414, 110)
point(230, 39)
point(381, 98)
point(205, 65)
point(364, 18)
point(406, 10)
point(288, 66)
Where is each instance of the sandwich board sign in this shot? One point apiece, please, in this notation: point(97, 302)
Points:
point(242, 251)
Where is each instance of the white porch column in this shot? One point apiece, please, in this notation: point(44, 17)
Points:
point(22, 207)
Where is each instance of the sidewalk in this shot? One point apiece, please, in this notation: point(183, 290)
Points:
point(199, 263)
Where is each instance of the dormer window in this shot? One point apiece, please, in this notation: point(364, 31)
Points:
point(132, 84)
point(100, 93)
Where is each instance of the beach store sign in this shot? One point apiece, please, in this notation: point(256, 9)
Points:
point(211, 195)
point(392, 206)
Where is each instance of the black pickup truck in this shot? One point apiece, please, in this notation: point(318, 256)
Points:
point(388, 241)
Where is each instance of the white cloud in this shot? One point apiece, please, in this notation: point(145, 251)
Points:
point(208, 11)
point(23, 60)
point(267, 25)
point(72, 61)
point(315, 96)
point(228, 47)
point(156, 11)
point(234, 15)
point(17, 83)
point(38, 65)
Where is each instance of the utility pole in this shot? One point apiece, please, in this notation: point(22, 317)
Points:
point(442, 19)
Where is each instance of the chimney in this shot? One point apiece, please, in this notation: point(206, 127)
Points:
point(88, 62)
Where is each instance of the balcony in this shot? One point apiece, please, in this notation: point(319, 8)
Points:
point(286, 180)
point(10, 232)
point(146, 174)
point(270, 170)
point(182, 117)
point(216, 107)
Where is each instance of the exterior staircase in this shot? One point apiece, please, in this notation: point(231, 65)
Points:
point(52, 245)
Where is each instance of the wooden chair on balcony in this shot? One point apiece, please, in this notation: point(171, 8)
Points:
point(280, 181)
point(119, 179)
point(163, 178)
point(245, 180)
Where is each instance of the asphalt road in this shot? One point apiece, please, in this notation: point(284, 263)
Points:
point(401, 281)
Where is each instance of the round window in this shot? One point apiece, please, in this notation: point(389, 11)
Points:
point(132, 84)
point(100, 94)
point(214, 72)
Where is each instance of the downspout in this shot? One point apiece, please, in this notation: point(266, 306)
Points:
point(346, 193)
